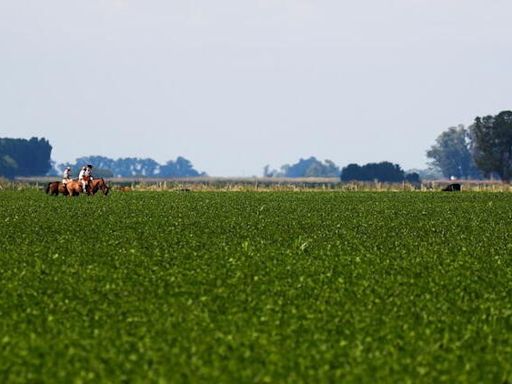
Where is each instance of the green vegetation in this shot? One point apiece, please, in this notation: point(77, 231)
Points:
point(219, 287)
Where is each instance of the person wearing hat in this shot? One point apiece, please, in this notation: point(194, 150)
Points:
point(83, 179)
point(66, 176)
point(88, 171)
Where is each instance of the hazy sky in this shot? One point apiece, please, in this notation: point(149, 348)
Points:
point(233, 85)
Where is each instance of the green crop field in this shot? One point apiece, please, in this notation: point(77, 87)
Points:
point(277, 287)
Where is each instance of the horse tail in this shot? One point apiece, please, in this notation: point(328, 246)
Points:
point(48, 188)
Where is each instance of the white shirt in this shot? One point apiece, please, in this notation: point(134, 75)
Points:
point(81, 174)
point(67, 174)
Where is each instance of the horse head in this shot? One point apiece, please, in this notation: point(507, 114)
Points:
point(105, 188)
point(99, 184)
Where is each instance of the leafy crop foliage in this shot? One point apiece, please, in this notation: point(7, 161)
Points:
point(256, 287)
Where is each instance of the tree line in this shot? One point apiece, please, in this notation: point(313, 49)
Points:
point(22, 157)
point(135, 167)
point(482, 150)
point(312, 167)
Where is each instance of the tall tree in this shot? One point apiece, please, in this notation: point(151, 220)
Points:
point(21, 157)
point(452, 155)
point(492, 144)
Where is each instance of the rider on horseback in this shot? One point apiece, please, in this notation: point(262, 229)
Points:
point(88, 171)
point(85, 176)
point(66, 176)
point(82, 179)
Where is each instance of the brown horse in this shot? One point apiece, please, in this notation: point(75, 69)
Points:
point(99, 184)
point(75, 188)
point(55, 187)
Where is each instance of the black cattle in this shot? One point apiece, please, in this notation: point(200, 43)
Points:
point(456, 187)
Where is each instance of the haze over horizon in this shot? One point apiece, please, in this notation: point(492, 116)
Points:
point(233, 86)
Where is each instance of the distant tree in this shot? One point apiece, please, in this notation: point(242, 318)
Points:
point(310, 167)
point(102, 172)
point(21, 157)
point(383, 171)
point(353, 172)
point(8, 166)
point(266, 171)
point(452, 154)
point(179, 168)
point(492, 144)
point(413, 178)
point(134, 167)
point(54, 169)
point(329, 169)
point(304, 168)
point(431, 173)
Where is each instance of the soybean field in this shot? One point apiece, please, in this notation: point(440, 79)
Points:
point(248, 287)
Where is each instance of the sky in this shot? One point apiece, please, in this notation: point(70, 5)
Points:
point(234, 85)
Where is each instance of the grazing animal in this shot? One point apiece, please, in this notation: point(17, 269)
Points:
point(74, 188)
point(55, 187)
point(97, 185)
point(456, 187)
